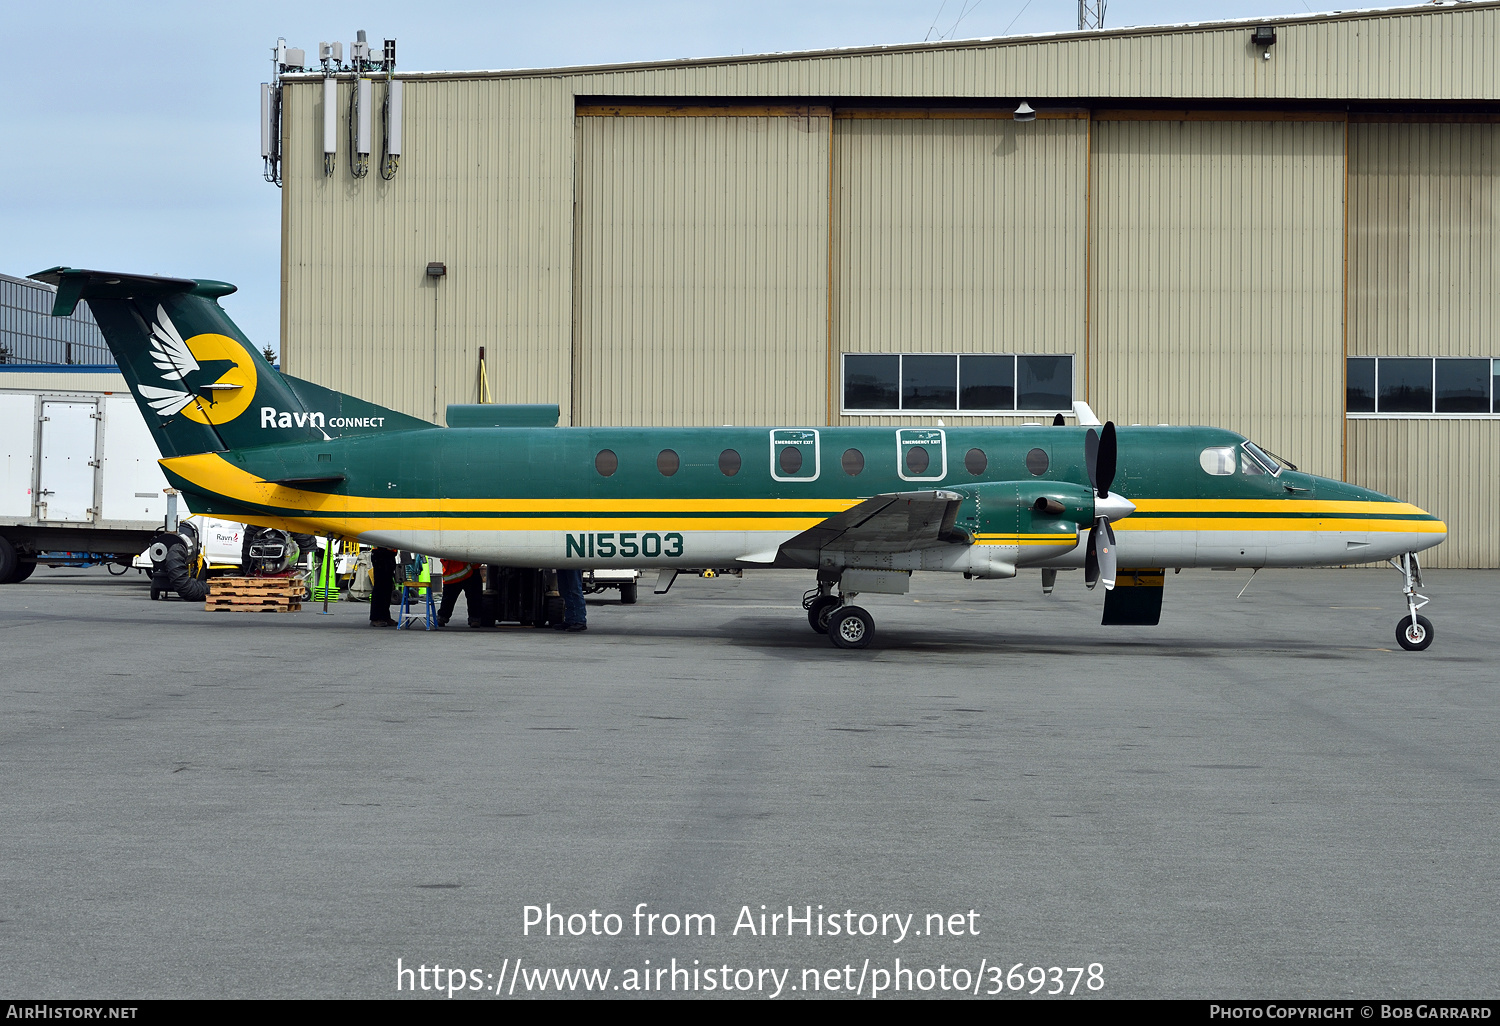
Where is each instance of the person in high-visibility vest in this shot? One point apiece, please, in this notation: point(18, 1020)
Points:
point(461, 578)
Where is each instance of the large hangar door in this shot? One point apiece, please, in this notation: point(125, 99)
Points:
point(1218, 279)
point(958, 235)
point(700, 290)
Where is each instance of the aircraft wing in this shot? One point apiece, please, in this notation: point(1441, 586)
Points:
point(893, 522)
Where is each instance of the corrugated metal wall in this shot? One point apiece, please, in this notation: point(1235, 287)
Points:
point(960, 236)
point(1413, 54)
point(1446, 467)
point(485, 186)
point(1218, 265)
point(701, 290)
point(1424, 237)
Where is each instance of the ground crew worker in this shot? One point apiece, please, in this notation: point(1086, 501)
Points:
point(383, 578)
point(575, 611)
point(461, 578)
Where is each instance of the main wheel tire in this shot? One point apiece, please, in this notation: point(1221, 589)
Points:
point(188, 587)
point(24, 569)
point(9, 560)
point(628, 594)
point(1414, 636)
point(821, 611)
point(851, 627)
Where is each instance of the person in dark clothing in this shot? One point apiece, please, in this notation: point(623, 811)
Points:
point(383, 577)
point(575, 612)
point(462, 579)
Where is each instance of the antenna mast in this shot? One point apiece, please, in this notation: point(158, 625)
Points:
point(1091, 14)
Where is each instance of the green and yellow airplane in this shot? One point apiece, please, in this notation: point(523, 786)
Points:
point(862, 507)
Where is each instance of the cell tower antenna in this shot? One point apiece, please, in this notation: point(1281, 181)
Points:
point(1091, 14)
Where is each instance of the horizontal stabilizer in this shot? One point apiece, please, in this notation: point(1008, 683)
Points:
point(75, 283)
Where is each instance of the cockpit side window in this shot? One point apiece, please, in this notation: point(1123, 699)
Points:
point(1218, 460)
point(1256, 461)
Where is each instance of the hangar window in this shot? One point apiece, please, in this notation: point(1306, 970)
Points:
point(668, 462)
point(975, 461)
point(1412, 386)
point(853, 462)
point(1218, 460)
point(606, 462)
point(729, 463)
point(979, 383)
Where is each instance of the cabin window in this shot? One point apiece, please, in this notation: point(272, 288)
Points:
point(1218, 460)
point(789, 459)
point(729, 463)
point(917, 460)
point(975, 461)
point(668, 462)
point(1037, 461)
point(979, 383)
point(853, 462)
point(606, 463)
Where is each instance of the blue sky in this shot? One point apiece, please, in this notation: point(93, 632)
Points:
point(131, 131)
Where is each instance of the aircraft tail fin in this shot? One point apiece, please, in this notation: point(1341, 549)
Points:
point(199, 382)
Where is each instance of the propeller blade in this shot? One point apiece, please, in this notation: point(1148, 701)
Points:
point(1091, 558)
point(1106, 557)
point(1091, 456)
point(1057, 420)
point(1106, 460)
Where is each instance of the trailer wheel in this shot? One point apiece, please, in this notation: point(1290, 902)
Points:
point(24, 568)
point(627, 594)
point(9, 561)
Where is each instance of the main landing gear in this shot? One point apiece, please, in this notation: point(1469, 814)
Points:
point(846, 626)
point(1414, 632)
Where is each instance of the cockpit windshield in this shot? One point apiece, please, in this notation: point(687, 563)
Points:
point(1256, 461)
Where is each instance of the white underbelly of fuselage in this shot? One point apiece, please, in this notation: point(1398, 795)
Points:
point(748, 549)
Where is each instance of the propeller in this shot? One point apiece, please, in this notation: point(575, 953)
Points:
point(1100, 459)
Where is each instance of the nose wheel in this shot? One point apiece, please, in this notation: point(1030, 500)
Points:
point(1413, 632)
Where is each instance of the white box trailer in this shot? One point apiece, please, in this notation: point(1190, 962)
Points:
point(78, 474)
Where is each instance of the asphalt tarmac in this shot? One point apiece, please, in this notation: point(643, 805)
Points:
point(1261, 798)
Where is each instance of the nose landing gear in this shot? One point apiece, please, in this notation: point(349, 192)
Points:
point(1413, 632)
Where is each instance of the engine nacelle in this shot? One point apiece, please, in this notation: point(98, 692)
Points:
point(1029, 522)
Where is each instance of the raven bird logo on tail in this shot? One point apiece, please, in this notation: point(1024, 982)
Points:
point(191, 365)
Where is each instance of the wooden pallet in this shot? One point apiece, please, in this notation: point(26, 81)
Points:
point(254, 595)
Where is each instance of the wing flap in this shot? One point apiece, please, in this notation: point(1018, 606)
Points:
point(892, 522)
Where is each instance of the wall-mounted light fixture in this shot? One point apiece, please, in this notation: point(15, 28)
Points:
point(1025, 112)
point(436, 270)
point(1264, 37)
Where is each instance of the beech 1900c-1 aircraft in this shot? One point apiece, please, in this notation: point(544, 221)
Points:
point(862, 507)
